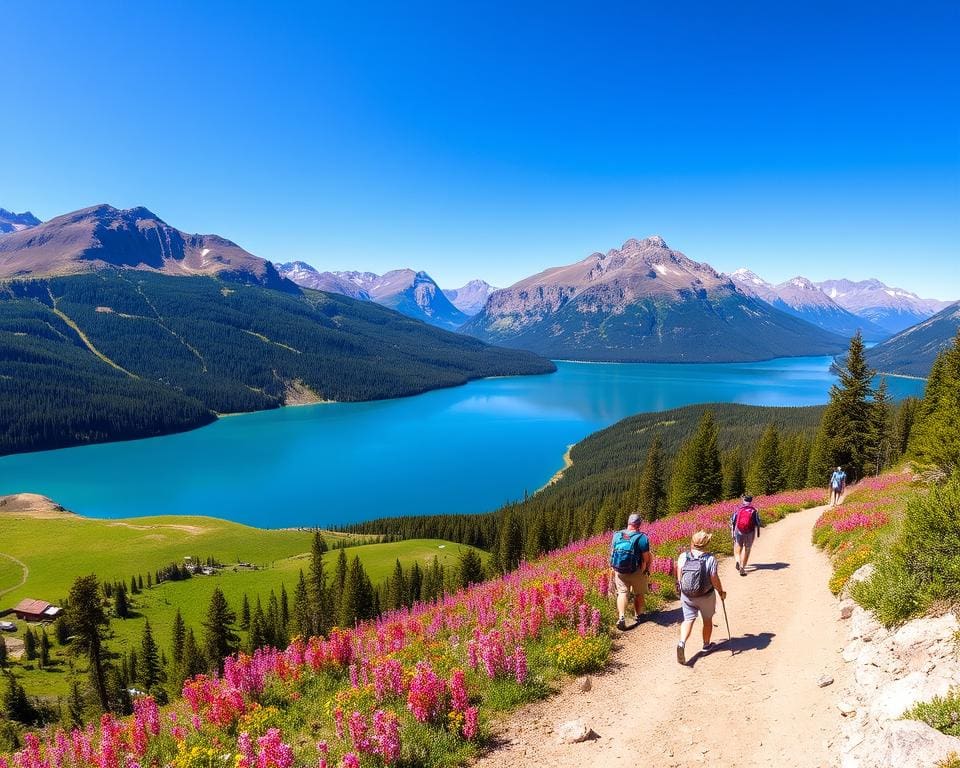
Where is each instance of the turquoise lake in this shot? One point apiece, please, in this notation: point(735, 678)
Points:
point(465, 449)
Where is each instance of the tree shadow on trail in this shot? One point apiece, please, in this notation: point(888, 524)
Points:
point(767, 566)
point(737, 645)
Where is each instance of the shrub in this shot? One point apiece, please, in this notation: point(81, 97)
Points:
point(942, 713)
point(921, 565)
point(575, 654)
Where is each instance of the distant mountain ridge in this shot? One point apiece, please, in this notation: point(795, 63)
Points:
point(643, 302)
point(893, 309)
point(801, 298)
point(412, 293)
point(912, 352)
point(134, 238)
point(471, 297)
point(15, 222)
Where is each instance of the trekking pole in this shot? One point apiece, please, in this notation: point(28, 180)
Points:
point(725, 619)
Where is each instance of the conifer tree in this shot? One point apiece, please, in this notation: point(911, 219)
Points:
point(257, 638)
point(219, 637)
point(935, 438)
point(178, 637)
point(683, 480)
point(339, 582)
point(61, 631)
point(284, 609)
point(245, 612)
point(537, 539)
point(651, 496)
point(140, 582)
point(796, 460)
point(87, 618)
point(43, 649)
point(357, 599)
point(766, 471)
point(396, 596)
point(29, 644)
point(148, 663)
point(193, 661)
point(881, 452)
point(302, 616)
point(16, 705)
point(903, 424)
point(415, 585)
point(121, 605)
point(509, 542)
point(75, 705)
point(149, 580)
point(470, 569)
point(276, 633)
point(321, 604)
point(734, 479)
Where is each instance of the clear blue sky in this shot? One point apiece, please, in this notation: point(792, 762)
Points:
point(496, 139)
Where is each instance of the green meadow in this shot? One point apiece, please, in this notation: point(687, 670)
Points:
point(58, 547)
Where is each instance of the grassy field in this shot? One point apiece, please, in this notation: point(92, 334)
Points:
point(57, 547)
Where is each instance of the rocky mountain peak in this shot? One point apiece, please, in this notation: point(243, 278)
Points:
point(16, 222)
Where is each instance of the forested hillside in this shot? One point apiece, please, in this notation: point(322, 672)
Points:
point(122, 353)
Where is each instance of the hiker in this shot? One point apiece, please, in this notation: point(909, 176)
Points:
point(699, 585)
point(744, 527)
point(838, 484)
point(630, 568)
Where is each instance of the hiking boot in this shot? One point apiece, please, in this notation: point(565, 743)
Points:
point(707, 647)
point(738, 566)
point(681, 658)
point(622, 624)
point(743, 571)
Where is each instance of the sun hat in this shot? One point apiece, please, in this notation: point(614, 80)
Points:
point(634, 519)
point(701, 539)
point(747, 498)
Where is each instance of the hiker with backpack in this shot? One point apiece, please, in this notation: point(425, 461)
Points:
point(699, 585)
point(630, 568)
point(838, 484)
point(744, 527)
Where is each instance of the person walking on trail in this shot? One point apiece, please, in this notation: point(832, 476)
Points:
point(699, 585)
point(630, 568)
point(838, 484)
point(744, 527)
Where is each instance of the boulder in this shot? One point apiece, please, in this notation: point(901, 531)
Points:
point(584, 683)
point(912, 744)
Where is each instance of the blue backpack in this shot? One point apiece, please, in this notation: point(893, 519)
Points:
point(624, 557)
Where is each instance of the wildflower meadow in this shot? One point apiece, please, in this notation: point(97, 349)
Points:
point(416, 686)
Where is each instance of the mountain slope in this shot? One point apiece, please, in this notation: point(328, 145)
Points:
point(644, 302)
point(414, 294)
point(912, 352)
point(802, 298)
point(471, 297)
point(893, 309)
point(15, 222)
point(104, 236)
point(129, 353)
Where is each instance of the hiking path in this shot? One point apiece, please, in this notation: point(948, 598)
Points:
point(752, 702)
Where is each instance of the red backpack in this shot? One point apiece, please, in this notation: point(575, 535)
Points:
point(745, 519)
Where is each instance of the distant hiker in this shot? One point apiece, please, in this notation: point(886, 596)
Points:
point(699, 584)
point(630, 567)
point(838, 484)
point(744, 527)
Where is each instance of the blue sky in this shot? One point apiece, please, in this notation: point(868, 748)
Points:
point(496, 139)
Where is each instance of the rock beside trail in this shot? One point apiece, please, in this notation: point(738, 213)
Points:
point(893, 671)
point(573, 732)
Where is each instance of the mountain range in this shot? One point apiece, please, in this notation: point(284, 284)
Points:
point(643, 302)
point(470, 298)
point(103, 236)
point(912, 352)
point(411, 293)
point(14, 222)
point(115, 325)
point(802, 298)
point(893, 309)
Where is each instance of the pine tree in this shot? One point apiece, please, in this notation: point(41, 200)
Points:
point(935, 439)
point(148, 666)
point(284, 609)
point(302, 617)
point(881, 453)
point(43, 655)
point(193, 661)
point(509, 548)
point(415, 585)
point(29, 644)
point(683, 480)
point(320, 599)
point(257, 638)
point(178, 637)
point(245, 612)
point(396, 596)
point(339, 583)
point(848, 426)
point(276, 634)
point(140, 582)
point(121, 605)
point(470, 570)
point(734, 477)
point(537, 539)
point(16, 705)
point(87, 618)
point(799, 459)
point(61, 631)
point(766, 471)
point(76, 705)
point(357, 599)
point(906, 414)
point(219, 637)
point(651, 495)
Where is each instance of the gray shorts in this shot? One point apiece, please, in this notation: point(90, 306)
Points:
point(744, 539)
point(706, 606)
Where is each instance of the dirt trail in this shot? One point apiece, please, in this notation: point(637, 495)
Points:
point(752, 702)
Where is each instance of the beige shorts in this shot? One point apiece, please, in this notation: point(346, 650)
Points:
point(625, 582)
